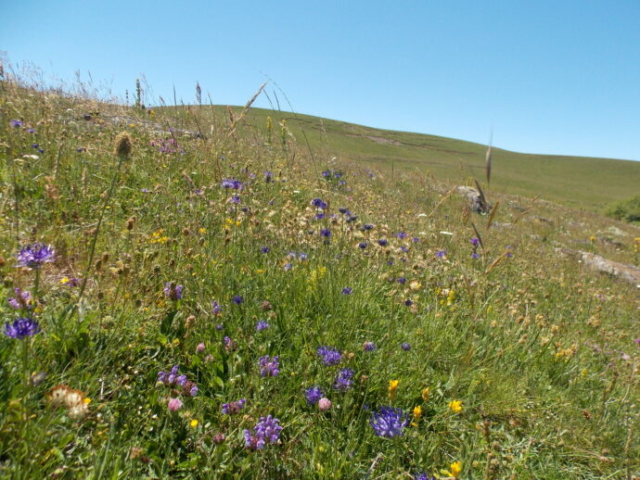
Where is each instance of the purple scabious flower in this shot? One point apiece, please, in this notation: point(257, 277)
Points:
point(269, 367)
point(369, 346)
point(16, 123)
point(325, 232)
point(21, 301)
point(313, 395)
point(233, 407)
point(344, 380)
point(262, 325)
point(329, 356)
point(267, 430)
point(21, 328)
point(173, 291)
point(347, 291)
point(319, 203)
point(238, 299)
point(383, 242)
point(34, 255)
point(232, 183)
point(389, 422)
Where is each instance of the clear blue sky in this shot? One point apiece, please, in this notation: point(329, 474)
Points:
point(547, 76)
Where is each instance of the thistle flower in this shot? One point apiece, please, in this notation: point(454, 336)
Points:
point(33, 256)
point(21, 328)
point(267, 430)
point(313, 395)
point(269, 367)
point(389, 422)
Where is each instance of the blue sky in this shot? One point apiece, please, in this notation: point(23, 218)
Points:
point(558, 77)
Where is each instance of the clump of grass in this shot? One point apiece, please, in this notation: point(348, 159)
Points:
point(256, 313)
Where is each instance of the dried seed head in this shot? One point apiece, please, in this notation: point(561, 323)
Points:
point(123, 145)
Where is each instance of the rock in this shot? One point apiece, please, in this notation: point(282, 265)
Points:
point(623, 271)
point(478, 203)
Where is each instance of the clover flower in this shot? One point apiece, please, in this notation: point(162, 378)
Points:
point(267, 430)
point(21, 328)
point(269, 367)
point(329, 356)
point(389, 422)
point(34, 255)
point(313, 395)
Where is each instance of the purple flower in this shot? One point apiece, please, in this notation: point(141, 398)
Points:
point(329, 356)
point(22, 300)
point(475, 242)
point(269, 367)
point(389, 422)
point(262, 325)
point(326, 173)
point(16, 123)
point(383, 242)
point(33, 256)
point(406, 346)
point(441, 253)
point(423, 476)
point(319, 203)
point(233, 407)
point(238, 299)
point(408, 302)
point(313, 395)
point(369, 346)
point(344, 211)
point(268, 176)
point(401, 235)
point(362, 245)
point(216, 308)
point(402, 280)
point(173, 291)
point(265, 249)
point(232, 183)
point(319, 216)
point(344, 379)
point(475, 255)
point(229, 345)
point(325, 232)
point(21, 328)
point(287, 267)
point(219, 327)
point(193, 391)
point(347, 290)
point(267, 430)
point(235, 199)
point(367, 227)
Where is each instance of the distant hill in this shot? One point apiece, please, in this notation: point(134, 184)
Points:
point(579, 182)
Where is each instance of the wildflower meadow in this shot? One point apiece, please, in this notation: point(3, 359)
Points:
point(195, 293)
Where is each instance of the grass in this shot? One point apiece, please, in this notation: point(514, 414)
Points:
point(540, 352)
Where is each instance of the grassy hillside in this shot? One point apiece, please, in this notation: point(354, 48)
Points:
point(237, 305)
point(580, 182)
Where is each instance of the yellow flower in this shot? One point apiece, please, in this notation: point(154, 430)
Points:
point(454, 470)
point(393, 386)
point(455, 406)
point(426, 392)
point(193, 423)
point(417, 414)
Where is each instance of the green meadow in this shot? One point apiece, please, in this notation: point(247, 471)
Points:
point(200, 293)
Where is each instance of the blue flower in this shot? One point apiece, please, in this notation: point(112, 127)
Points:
point(389, 422)
point(383, 242)
point(406, 346)
point(325, 232)
point(362, 245)
point(319, 203)
point(33, 256)
point(237, 299)
point(232, 183)
point(265, 249)
point(267, 430)
point(344, 380)
point(269, 367)
point(313, 395)
point(329, 356)
point(173, 291)
point(347, 290)
point(262, 325)
point(233, 407)
point(21, 328)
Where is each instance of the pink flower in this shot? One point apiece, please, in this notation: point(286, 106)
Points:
point(324, 404)
point(200, 348)
point(175, 404)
